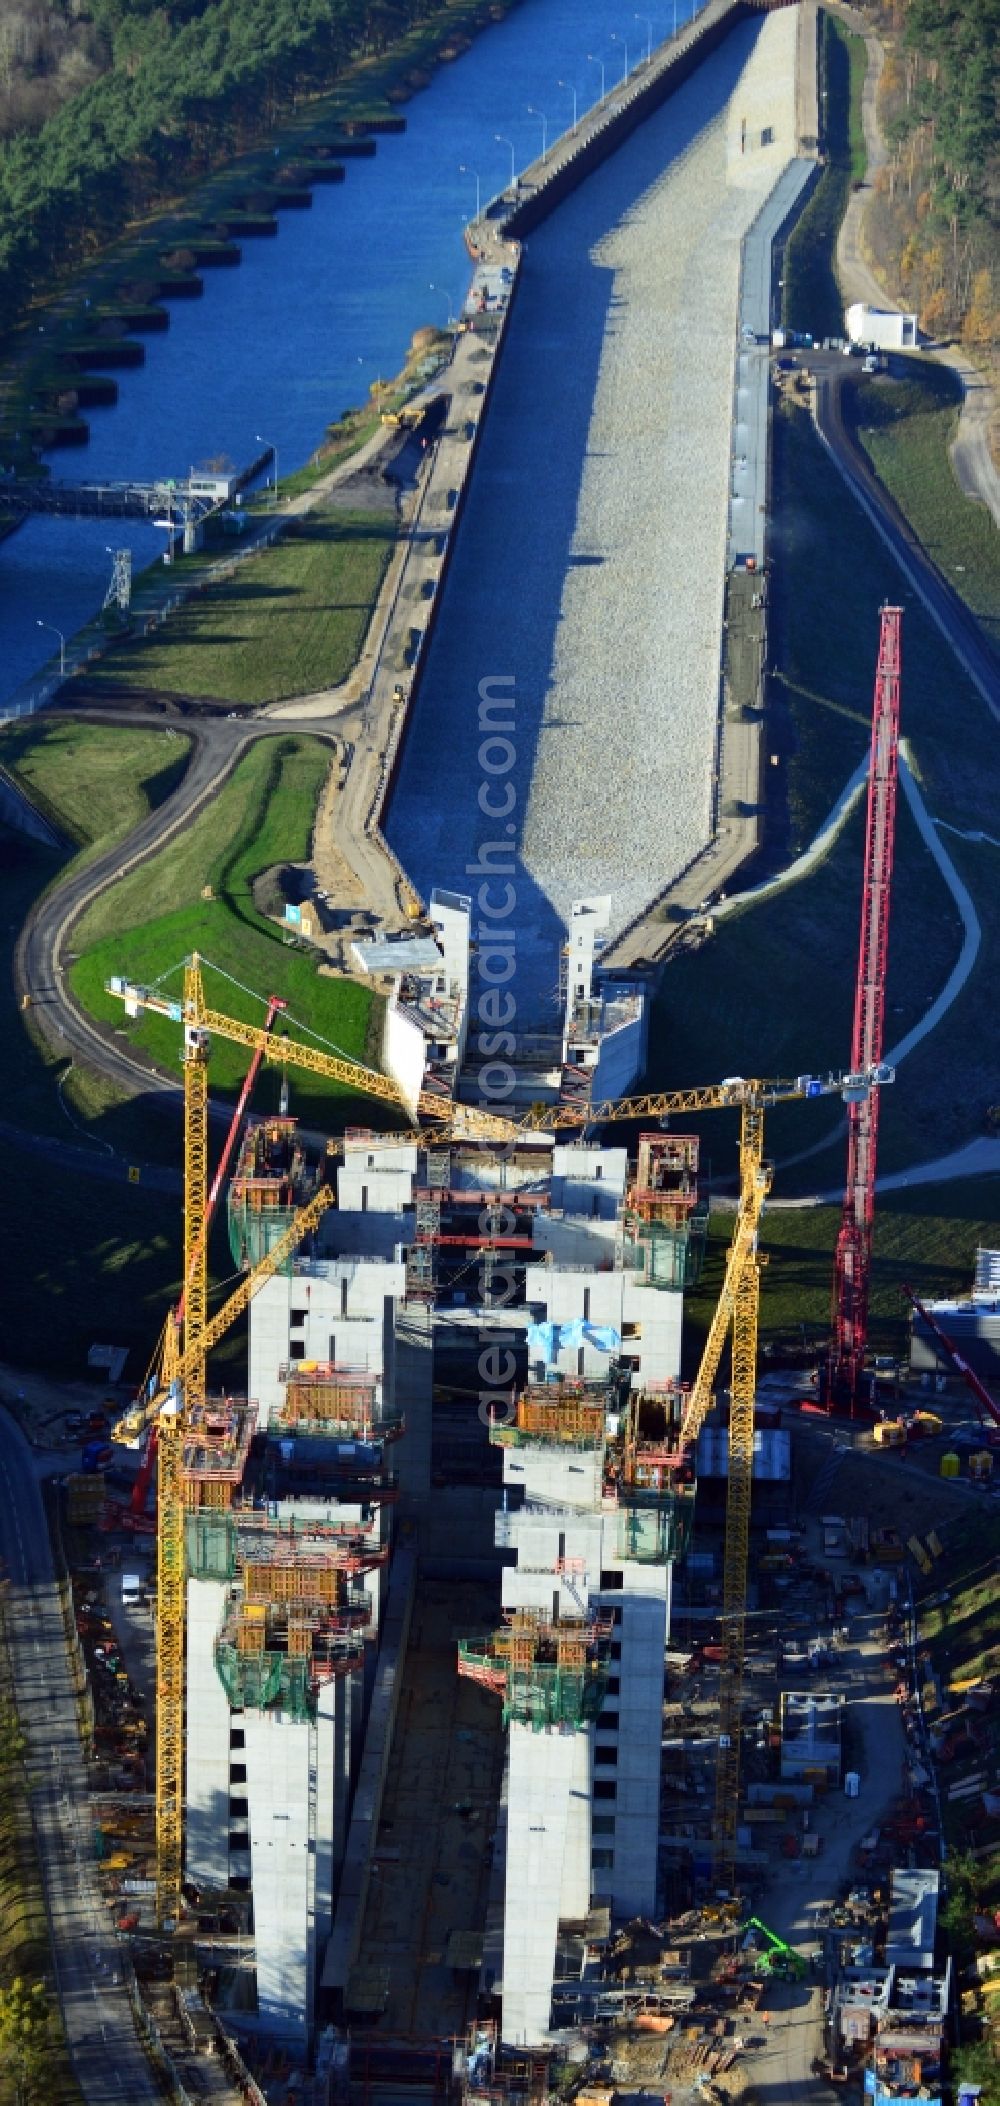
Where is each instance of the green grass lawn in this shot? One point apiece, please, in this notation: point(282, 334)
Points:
point(94, 1259)
point(831, 574)
point(926, 1236)
point(291, 621)
point(88, 1259)
point(93, 1262)
point(963, 1634)
point(94, 783)
point(906, 426)
point(772, 992)
point(146, 926)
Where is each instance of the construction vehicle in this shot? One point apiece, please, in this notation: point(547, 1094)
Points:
point(922, 1425)
point(182, 1383)
point(889, 1433)
point(910, 1425)
point(989, 1409)
point(778, 1958)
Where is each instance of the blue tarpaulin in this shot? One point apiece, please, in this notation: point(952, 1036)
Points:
point(550, 1339)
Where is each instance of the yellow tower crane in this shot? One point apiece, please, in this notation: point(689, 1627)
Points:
point(737, 1308)
point(181, 1375)
point(182, 1388)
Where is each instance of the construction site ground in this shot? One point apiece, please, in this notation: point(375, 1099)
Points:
point(768, 2056)
point(770, 2051)
point(432, 1859)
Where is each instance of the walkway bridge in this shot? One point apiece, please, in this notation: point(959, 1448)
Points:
point(178, 502)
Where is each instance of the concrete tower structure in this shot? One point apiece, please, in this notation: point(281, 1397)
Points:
point(596, 1517)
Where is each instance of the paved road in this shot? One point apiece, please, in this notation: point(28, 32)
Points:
point(110, 2064)
point(970, 450)
point(41, 957)
point(218, 742)
point(957, 625)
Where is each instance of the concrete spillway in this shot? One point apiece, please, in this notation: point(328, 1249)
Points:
point(591, 555)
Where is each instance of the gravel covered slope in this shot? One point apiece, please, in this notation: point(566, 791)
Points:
point(590, 561)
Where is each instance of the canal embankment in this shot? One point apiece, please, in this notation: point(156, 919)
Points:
point(279, 345)
point(590, 574)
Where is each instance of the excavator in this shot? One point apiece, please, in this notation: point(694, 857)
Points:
point(777, 1958)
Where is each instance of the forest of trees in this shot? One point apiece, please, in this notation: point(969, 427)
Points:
point(934, 225)
point(162, 90)
point(47, 54)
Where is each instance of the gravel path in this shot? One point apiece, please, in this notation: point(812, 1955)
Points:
point(590, 559)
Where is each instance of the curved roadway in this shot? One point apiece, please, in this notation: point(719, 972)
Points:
point(959, 627)
point(40, 957)
point(110, 2065)
point(218, 743)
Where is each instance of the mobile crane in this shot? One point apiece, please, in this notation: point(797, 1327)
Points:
point(183, 1382)
point(989, 1409)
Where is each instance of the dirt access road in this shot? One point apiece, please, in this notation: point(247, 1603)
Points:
point(802, 1890)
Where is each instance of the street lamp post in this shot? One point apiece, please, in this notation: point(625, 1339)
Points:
point(501, 141)
point(616, 39)
point(375, 388)
point(463, 170)
point(649, 33)
point(532, 112)
point(261, 441)
point(675, 18)
point(569, 85)
point(599, 62)
point(452, 309)
point(62, 644)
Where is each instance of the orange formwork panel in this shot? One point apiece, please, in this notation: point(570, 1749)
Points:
point(309, 1579)
point(251, 1630)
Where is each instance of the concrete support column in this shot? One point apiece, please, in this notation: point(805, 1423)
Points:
point(544, 1770)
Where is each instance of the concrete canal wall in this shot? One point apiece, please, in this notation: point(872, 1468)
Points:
point(588, 581)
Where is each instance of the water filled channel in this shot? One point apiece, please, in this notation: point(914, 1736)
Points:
point(281, 345)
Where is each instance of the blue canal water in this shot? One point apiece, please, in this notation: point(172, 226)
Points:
point(285, 342)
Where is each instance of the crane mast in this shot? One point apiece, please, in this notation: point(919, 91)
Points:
point(170, 1488)
point(852, 1262)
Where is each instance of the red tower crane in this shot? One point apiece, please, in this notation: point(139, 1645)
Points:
point(853, 1256)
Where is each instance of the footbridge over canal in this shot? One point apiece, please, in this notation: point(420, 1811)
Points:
point(180, 504)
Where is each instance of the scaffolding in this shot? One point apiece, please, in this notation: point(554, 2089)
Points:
point(488, 1223)
point(291, 1621)
point(119, 592)
point(285, 1677)
point(322, 1397)
point(220, 1545)
point(563, 1415)
point(663, 1225)
point(493, 2075)
point(214, 1449)
point(549, 1674)
point(650, 1480)
point(272, 1180)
